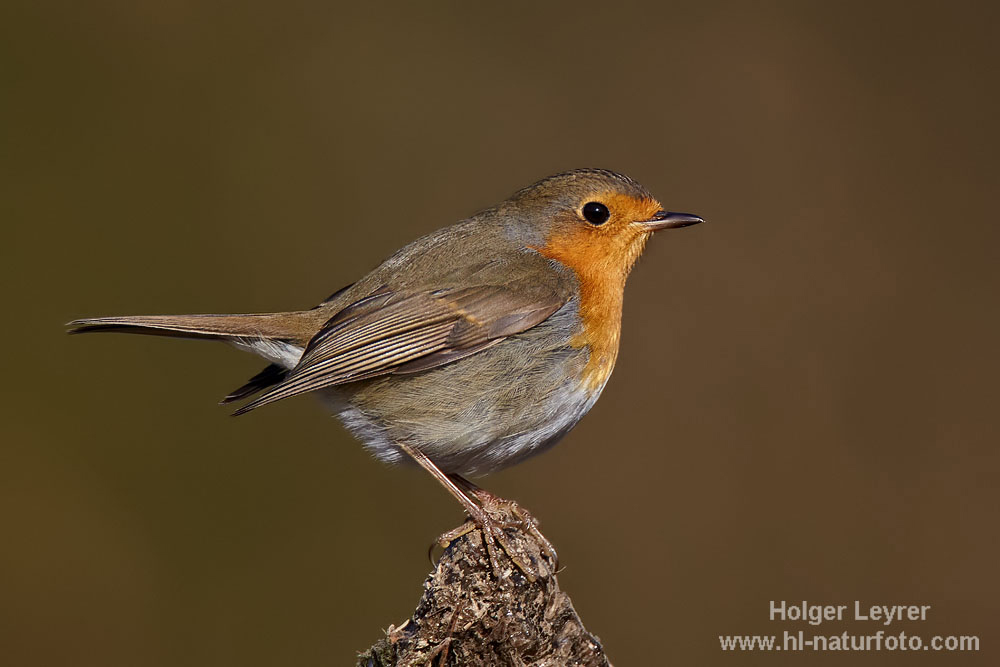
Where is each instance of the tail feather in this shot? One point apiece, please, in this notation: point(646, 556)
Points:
point(278, 337)
point(270, 376)
point(294, 327)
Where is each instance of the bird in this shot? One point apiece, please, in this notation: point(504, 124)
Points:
point(469, 350)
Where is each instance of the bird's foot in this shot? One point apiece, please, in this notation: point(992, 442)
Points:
point(494, 503)
point(507, 525)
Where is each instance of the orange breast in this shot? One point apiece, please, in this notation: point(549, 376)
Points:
point(601, 265)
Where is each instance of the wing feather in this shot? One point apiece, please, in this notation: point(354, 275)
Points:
point(408, 332)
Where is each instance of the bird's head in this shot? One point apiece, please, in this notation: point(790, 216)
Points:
point(594, 221)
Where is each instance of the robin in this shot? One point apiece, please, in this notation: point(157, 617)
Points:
point(469, 350)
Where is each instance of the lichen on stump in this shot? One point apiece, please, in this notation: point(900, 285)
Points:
point(470, 616)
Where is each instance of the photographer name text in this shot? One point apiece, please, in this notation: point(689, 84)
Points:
point(814, 614)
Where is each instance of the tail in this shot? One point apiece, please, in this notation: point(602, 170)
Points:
point(270, 335)
point(293, 327)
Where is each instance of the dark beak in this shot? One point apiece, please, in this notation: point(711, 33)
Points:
point(666, 220)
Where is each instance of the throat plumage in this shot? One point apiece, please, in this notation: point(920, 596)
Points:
point(601, 315)
point(601, 275)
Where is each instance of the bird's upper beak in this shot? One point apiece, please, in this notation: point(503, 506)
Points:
point(667, 220)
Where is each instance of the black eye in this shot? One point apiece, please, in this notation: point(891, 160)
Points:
point(596, 213)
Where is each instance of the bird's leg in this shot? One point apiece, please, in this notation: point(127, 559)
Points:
point(479, 517)
point(494, 504)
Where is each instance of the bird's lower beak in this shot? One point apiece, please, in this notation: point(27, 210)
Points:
point(666, 220)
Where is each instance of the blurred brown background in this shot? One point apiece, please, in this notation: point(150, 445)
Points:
point(805, 403)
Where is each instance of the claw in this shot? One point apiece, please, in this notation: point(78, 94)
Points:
point(532, 524)
point(496, 521)
point(447, 538)
point(492, 521)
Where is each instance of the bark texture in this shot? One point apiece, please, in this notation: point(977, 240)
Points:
point(469, 615)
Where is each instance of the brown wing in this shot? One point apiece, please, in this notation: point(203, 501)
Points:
point(407, 332)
